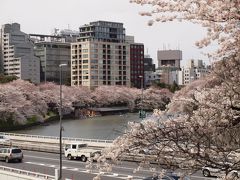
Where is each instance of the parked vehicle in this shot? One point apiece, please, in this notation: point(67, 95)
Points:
point(211, 171)
point(79, 151)
point(9, 154)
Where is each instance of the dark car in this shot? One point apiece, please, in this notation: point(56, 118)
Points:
point(165, 177)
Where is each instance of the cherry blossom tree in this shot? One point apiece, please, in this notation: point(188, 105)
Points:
point(21, 101)
point(24, 103)
point(117, 95)
point(154, 98)
point(201, 126)
point(220, 18)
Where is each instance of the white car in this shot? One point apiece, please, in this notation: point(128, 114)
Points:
point(211, 171)
point(4, 138)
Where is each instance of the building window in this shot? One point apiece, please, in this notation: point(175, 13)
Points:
point(85, 55)
point(85, 66)
point(85, 50)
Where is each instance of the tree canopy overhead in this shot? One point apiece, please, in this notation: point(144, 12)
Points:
point(201, 125)
point(221, 18)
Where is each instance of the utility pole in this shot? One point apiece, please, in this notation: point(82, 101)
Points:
point(60, 124)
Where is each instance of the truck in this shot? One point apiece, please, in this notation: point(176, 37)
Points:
point(80, 151)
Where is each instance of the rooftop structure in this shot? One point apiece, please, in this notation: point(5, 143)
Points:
point(103, 31)
point(169, 58)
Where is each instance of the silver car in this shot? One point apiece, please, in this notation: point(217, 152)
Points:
point(211, 171)
point(9, 154)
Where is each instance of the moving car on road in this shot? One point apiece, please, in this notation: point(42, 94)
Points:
point(167, 176)
point(79, 151)
point(9, 154)
point(211, 171)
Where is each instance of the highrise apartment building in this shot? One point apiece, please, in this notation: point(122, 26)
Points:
point(18, 54)
point(100, 56)
point(137, 65)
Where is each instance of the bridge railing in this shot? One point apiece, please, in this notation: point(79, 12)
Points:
point(23, 174)
point(55, 139)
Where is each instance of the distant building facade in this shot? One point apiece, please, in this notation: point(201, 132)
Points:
point(100, 56)
point(18, 57)
point(169, 62)
point(51, 55)
point(169, 58)
point(54, 50)
point(137, 65)
point(149, 71)
point(194, 70)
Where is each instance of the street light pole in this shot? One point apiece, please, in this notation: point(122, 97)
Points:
point(141, 97)
point(60, 123)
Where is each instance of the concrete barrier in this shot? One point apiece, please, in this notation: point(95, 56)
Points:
point(18, 174)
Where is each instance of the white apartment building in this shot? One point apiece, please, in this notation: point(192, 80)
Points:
point(96, 63)
point(194, 70)
point(18, 54)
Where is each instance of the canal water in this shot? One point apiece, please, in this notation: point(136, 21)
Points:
point(102, 127)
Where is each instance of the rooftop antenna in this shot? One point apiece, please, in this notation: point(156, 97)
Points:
point(164, 46)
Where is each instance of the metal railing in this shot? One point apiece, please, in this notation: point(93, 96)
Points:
point(27, 173)
point(55, 138)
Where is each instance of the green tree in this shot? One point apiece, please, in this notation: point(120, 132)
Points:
point(6, 79)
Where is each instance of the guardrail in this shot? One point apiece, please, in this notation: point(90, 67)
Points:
point(23, 174)
point(54, 139)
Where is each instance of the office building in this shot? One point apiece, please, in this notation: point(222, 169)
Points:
point(169, 58)
point(168, 64)
point(54, 50)
point(149, 71)
point(51, 55)
point(100, 56)
point(18, 57)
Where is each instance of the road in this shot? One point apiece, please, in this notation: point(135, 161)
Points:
point(47, 163)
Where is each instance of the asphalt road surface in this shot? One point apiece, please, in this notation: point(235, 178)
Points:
point(46, 163)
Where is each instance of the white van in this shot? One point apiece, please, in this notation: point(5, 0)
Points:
point(79, 151)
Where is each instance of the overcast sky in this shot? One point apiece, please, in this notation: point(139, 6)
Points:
point(42, 16)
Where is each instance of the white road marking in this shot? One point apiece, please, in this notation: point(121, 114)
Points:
point(87, 171)
point(74, 169)
point(119, 176)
